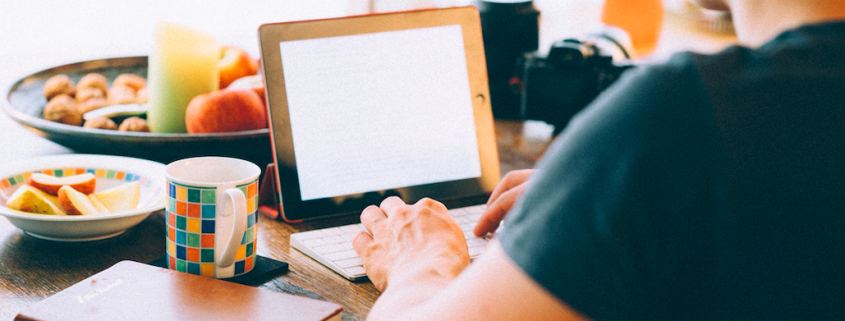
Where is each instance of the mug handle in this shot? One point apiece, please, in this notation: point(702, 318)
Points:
point(226, 257)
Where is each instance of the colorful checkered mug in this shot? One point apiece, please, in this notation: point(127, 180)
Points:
point(211, 216)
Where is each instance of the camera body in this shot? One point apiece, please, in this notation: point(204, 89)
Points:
point(576, 70)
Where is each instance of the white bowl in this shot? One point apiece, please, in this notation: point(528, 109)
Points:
point(109, 170)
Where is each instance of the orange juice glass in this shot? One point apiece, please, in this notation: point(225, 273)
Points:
point(642, 19)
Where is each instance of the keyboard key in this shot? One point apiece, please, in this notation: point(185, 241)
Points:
point(337, 256)
point(351, 229)
point(314, 242)
point(347, 263)
point(333, 231)
point(358, 270)
point(310, 234)
point(476, 250)
point(477, 242)
point(334, 239)
point(331, 248)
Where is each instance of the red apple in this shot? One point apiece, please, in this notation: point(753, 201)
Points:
point(235, 63)
point(84, 183)
point(76, 203)
point(254, 82)
point(225, 111)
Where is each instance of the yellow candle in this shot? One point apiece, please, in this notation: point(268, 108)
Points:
point(182, 65)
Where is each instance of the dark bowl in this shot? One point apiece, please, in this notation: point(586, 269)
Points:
point(25, 102)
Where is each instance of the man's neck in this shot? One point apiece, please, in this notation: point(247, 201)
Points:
point(758, 21)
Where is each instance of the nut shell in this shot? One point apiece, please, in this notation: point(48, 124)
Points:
point(57, 85)
point(141, 96)
point(121, 95)
point(88, 93)
point(134, 124)
point(130, 80)
point(101, 122)
point(93, 80)
point(62, 109)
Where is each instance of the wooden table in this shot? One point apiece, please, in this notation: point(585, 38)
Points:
point(39, 35)
point(32, 269)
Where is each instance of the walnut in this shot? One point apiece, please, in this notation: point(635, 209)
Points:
point(89, 92)
point(134, 124)
point(62, 109)
point(57, 85)
point(121, 95)
point(141, 96)
point(93, 80)
point(101, 122)
point(130, 80)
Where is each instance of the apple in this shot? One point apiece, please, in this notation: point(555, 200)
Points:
point(225, 111)
point(85, 183)
point(119, 198)
point(254, 82)
point(77, 203)
point(235, 63)
point(99, 206)
point(32, 200)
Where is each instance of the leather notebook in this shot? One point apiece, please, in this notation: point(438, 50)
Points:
point(136, 291)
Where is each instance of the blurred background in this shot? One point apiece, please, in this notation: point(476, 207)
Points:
point(50, 32)
point(40, 34)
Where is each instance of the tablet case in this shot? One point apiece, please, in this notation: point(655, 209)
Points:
point(136, 291)
point(457, 24)
point(268, 202)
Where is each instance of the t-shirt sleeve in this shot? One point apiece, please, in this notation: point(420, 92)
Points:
point(600, 218)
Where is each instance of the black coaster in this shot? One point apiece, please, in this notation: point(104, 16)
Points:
point(264, 270)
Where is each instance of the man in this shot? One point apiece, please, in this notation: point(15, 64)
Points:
point(708, 187)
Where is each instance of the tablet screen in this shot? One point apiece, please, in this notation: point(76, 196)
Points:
point(380, 111)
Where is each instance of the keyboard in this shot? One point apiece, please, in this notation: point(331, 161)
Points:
point(332, 246)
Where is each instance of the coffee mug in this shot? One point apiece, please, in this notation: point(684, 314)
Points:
point(211, 216)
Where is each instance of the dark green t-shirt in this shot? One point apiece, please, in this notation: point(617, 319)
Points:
point(708, 187)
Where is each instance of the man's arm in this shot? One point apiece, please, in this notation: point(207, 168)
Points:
point(492, 288)
point(424, 277)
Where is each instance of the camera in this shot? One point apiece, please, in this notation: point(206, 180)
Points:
point(576, 70)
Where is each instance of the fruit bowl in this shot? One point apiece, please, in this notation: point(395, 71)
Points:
point(25, 102)
point(109, 170)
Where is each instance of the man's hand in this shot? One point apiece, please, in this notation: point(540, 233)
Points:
point(407, 244)
point(502, 200)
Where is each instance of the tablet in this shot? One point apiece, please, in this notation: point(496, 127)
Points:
point(366, 107)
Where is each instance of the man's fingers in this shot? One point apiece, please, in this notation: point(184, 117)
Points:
point(432, 204)
point(512, 179)
point(371, 216)
point(496, 211)
point(390, 204)
point(361, 241)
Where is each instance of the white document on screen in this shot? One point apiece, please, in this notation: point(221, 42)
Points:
point(379, 111)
